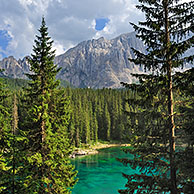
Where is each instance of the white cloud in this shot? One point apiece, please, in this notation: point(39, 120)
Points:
point(58, 47)
point(69, 21)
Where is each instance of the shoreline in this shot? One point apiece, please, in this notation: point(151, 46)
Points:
point(93, 149)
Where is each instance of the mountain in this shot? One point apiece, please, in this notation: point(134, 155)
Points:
point(13, 68)
point(93, 63)
point(100, 63)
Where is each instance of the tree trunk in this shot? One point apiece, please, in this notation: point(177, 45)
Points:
point(43, 133)
point(14, 131)
point(170, 103)
point(15, 116)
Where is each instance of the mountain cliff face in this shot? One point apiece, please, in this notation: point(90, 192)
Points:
point(100, 63)
point(93, 63)
point(13, 68)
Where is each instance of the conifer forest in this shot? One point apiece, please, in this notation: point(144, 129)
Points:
point(42, 121)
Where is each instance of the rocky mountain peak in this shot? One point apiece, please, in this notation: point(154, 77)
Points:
point(100, 63)
point(93, 63)
point(11, 67)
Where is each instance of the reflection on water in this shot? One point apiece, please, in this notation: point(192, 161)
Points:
point(101, 173)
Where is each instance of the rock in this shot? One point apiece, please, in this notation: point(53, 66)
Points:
point(13, 68)
point(100, 63)
point(94, 63)
point(72, 155)
point(78, 153)
point(83, 152)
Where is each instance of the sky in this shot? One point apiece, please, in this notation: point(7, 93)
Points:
point(69, 22)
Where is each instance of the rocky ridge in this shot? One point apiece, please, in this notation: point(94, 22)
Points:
point(13, 68)
point(100, 63)
point(93, 63)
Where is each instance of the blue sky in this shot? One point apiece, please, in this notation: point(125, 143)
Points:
point(4, 41)
point(69, 22)
point(5, 37)
point(101, 23)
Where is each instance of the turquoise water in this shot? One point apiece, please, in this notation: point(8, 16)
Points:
point(101, 173)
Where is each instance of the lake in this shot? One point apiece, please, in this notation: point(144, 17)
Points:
point(101, 173)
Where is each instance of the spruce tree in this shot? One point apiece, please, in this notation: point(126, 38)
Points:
point(11, 157)
point(107, 123)
point(46, 122)
point(95, 127)
point(165, 34)
point(185, 85)
point(4, 140)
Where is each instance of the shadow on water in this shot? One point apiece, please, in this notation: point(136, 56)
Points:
point(101, 173)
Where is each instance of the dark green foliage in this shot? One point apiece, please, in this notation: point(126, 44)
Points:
point(18, 84)
point(5, 128)
point(152, 112)
point(11, 168)
point(149, 138)
point(4, 112)
point(89, 104)
point(96, 118)
point(107, 122)
point(14, 84)
point(45, 116)
point(185, 85)
point(86, 103)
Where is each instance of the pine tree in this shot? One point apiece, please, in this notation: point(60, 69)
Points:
point(107, 123)
point(77, 126)
point(86, 128)
point(185, 86)
point(168, 22)
point(11, 168)
point(46, 123)
point(4, 131)
point(114, 118)
point(95, 127)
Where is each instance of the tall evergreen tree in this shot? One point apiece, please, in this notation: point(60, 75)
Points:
point(46, 123)
point(165, 33)
point(95, 127)
point(11, 174)
point(185, 84)
point(4, 131)
point(107, 123)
